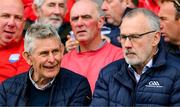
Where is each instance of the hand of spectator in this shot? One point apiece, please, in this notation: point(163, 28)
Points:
point(71, 43)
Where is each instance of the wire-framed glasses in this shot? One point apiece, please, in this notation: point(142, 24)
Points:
point(133, 37)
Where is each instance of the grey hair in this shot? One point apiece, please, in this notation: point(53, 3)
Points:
point(39, 3)
point(38, 31)
point(153, 19)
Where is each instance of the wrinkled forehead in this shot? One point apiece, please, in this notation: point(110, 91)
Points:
point(83, 8)
point(54, 1)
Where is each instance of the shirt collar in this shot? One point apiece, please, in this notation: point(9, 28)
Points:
point(148, 65)
point(103, 42)
point(34, 83)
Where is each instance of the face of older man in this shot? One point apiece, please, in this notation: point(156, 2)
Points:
point(45, 57)
point(11, 22)
point(138, 50)
point(52, 12)
point(85, 21)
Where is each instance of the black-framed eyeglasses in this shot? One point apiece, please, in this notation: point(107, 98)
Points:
point(133, 37)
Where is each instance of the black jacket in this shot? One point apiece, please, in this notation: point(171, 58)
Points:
point(68, 89)
point(158, 86)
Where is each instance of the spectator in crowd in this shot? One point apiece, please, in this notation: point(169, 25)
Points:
point(113, 10)
point(149, 4)
point(93, 53)
point(149, 76)
point(170, 25)
point(53, 12)
point(45, 84)
point(11, 39)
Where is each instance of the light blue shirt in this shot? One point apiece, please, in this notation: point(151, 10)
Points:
point(146, 67)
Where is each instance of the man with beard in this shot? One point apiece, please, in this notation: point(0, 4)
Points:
point(148, 76)
point(52, 12)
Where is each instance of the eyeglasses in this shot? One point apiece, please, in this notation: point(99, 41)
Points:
point(133, 37)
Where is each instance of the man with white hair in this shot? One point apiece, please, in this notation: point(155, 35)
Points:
point(52, 12)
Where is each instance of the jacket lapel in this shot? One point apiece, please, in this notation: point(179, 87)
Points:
point(124, 78)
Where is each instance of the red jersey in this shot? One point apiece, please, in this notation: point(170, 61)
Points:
point(90, 63)
point(12, 62)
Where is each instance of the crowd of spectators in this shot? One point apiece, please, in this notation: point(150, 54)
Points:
point(90, 53)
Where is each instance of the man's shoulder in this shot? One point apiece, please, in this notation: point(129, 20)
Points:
point(112, 48)
point(114, 51)
point(173, 61)
point(15, 81)
point(72, 52)
point(70, 74)
point(114, 67)
point(68, 79)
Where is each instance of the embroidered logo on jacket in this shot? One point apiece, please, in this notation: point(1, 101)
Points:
point(13, 58)
point(154, 84)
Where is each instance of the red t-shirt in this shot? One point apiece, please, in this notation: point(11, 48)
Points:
point(12, 62)
point(90, 63)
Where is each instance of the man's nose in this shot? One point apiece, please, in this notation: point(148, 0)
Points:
point(104, 6)
point(11, 22)
point(80, 22)
point(56, 10)
point(127, 43)
point(161, 27)
point(51, 58)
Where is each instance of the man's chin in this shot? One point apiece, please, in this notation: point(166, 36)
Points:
point(166, 39)
point(131, 61)
point(56, 24)
point(110, 21)
point(8, 43)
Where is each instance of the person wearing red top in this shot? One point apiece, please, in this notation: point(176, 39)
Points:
point(11, 39)
point(93, 53)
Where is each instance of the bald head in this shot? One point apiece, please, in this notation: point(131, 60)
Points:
point(86, 5)
point(11, 22)
point(16, 3)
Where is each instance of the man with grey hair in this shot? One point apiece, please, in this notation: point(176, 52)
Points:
point(148, 76)
point(45, 84)
point(52, 12)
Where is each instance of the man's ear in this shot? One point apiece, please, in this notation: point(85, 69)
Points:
point(156, 38)
point(27, 57)
point(35, 9)
point(62, 49)
point(101, 21)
